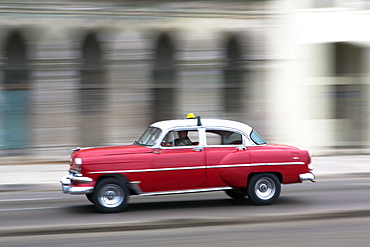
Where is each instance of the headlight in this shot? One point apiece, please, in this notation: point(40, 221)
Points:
point(78, 163)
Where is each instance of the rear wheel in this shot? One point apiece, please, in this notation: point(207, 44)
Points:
point(110, 195)
point(263, 188)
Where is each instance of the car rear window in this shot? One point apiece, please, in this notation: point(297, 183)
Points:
point(256, 138)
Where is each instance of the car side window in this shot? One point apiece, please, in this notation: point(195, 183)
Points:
point(168, 140)
point(180, 138)
point(223, 137)
point(235, 138)
point(213, 138)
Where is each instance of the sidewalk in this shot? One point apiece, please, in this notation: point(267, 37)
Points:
point(46, 176)
point(341, 165)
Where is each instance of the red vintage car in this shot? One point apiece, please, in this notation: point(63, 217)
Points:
point(185, 156)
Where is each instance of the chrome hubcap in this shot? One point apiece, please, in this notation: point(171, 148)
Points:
point(265, 188)
point(111, 195)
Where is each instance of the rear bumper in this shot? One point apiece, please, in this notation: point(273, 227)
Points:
point(67, 188)
point(307, 176)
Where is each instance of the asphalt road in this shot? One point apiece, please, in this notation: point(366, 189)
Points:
point(34, 218)
point(342, 232)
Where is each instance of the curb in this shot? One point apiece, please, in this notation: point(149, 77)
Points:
point(46, 186)
point(178, 223)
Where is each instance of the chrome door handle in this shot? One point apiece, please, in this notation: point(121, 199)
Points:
point(197, 149)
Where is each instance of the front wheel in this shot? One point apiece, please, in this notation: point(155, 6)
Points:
point(263, 188)
point(110, 195)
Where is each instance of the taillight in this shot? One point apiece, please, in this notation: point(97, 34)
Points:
point(310, 167)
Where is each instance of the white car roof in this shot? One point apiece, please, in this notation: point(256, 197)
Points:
point(208, 123)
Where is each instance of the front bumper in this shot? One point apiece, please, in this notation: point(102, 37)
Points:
point(307, 176)
point(67, 187)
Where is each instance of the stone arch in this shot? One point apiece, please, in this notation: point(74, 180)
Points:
point(164, 79)
point(16, 111)
point(349, 97)
point(91, 92)
point(233, 76)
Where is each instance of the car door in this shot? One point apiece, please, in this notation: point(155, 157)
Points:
point(180, 166)
point(225, 150)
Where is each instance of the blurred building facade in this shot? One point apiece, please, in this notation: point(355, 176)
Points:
point(92, 73)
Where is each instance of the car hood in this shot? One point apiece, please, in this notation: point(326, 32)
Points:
point(113, 150)
point(281, 146)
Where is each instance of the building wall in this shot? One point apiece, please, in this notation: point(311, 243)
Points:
point(326, 71)
point(298, 64)
point(127, 35)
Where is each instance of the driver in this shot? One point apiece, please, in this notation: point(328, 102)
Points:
point(183, 139)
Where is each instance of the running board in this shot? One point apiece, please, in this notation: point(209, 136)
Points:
point(184, 191)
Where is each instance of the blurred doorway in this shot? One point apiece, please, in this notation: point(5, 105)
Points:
point(16, 113)
point(164, 80)
point(91, 94)
point(349, 96)
point(233, 78)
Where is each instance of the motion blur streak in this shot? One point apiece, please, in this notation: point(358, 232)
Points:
point(97, 73)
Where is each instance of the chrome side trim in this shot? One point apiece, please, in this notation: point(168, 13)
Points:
point(75, 149)
point(257, 164)
point(184, 191)
point(200, 167)
point(79, 148)
point(154, 170)
point(135, 187)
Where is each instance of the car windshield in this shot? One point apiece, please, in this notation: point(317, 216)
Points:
point(149, 137)
point(256, 138)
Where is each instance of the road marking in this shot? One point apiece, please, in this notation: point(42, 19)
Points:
point(30, 199)
point(25, 209)
point(356, 184)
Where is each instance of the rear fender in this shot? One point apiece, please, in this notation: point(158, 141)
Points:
point(277, 174)
point(237, 168)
